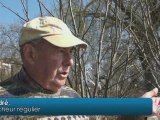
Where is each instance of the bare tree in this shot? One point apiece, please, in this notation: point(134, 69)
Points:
point(122, 59)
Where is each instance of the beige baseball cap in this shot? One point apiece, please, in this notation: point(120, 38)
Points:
point(52, 30)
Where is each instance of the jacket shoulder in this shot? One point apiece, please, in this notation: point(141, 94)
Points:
point(11, 88)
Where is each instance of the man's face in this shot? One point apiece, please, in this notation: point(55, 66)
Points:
point(51, 65)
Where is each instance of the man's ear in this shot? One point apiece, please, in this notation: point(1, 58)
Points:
point(29, 53)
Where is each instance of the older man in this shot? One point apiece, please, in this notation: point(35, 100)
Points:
point(46, 45)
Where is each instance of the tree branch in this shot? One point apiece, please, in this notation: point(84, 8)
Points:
point(13, 12)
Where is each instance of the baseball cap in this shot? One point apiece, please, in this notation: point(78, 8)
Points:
point(52, 29)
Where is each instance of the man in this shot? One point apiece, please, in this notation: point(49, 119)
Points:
point(46, 45)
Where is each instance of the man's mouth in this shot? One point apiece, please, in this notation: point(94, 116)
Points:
point(63, 74)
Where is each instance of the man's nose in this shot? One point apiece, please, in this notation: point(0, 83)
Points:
point(68, 60)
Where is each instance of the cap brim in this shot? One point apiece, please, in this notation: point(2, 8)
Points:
point(65, 41)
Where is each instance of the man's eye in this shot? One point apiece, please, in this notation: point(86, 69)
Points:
point(71, 51)
point(67, 51)
point(62, 51)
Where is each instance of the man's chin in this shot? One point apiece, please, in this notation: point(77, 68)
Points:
point(54, 87)
point(58, 83)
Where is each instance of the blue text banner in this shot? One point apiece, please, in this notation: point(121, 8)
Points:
point(75, 106)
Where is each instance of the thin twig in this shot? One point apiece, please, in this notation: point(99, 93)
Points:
point(25, 8)
point(46, 9)
point(13, 12)
point(40, 9)
point(73, 19)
